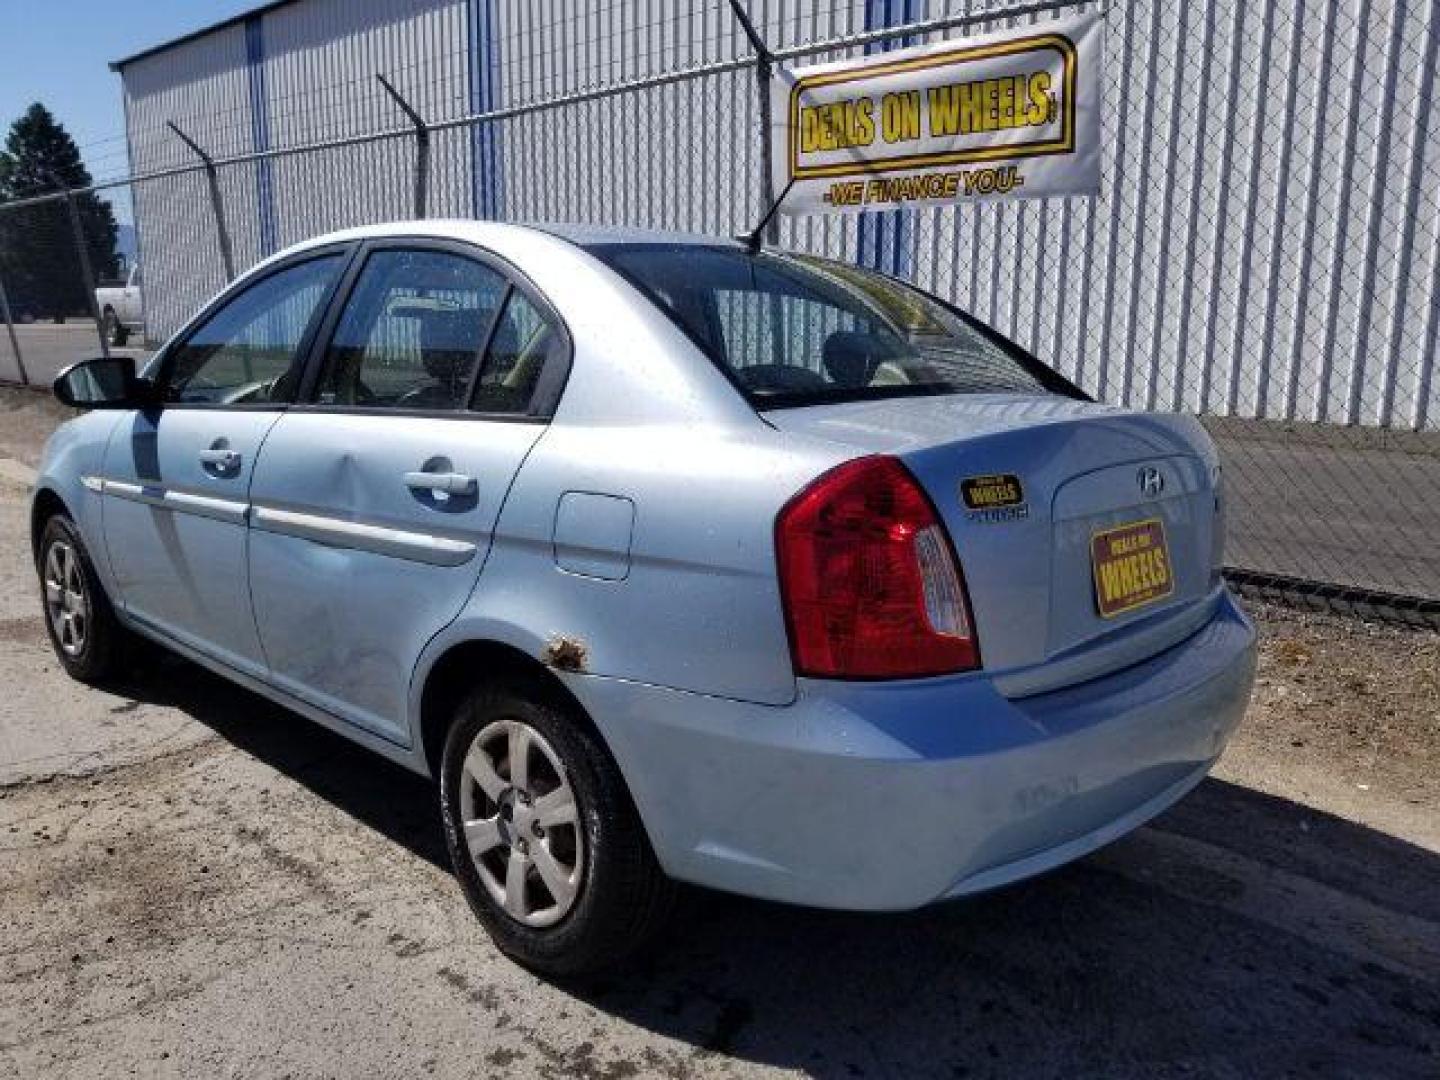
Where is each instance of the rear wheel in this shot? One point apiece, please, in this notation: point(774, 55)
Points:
point(543, 835)
point(88, 639)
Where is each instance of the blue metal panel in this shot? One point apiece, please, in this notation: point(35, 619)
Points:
point(260, 131)
point(485, 178)
point(888, 239)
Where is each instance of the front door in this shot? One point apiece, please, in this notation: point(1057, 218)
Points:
point(374, 502)
point(177, 477)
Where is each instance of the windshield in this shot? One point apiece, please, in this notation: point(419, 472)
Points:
point(798, 330)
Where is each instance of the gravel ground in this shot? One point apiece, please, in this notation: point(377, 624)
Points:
point(197, 883)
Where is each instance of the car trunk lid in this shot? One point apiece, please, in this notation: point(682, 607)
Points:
point(1038, 492)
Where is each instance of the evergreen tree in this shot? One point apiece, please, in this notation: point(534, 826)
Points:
point(37, 247)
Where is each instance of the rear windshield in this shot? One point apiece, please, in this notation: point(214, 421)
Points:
point(798, 330)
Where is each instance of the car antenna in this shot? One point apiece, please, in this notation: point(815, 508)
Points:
point(764, 64)
point(755, 237)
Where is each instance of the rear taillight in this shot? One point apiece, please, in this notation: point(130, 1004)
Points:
point(870, 584)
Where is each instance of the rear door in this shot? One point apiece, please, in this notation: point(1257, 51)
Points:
point(375, 498)
point(177, 476)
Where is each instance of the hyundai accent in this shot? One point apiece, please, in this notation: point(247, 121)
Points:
point(669, 558)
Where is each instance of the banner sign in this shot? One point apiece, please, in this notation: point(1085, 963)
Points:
point(1014, 114)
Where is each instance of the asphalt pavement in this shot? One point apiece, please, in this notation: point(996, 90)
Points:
point(47, 348)
point(1339, 505)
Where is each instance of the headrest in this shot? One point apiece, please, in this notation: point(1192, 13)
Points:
point(851, 357)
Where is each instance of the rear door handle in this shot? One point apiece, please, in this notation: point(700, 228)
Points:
point(450, 483)
point(220, 458)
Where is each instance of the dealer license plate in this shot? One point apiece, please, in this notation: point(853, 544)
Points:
point(1132, 568)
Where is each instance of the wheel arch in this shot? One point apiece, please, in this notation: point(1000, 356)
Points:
point(45, 504)
point(464, 665)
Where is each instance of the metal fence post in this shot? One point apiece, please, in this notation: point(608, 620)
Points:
point(422, 146)
point(87, 274)
point(217, 202)
point(14, 340)
point(764, 68)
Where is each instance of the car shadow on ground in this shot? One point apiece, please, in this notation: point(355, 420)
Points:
point(1240, 934)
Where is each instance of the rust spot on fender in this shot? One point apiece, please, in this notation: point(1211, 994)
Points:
point(566, 654)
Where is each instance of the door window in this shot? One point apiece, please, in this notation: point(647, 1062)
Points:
point(242, 354)
point(411, 333)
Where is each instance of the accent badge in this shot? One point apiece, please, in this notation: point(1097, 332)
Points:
point(994, 498)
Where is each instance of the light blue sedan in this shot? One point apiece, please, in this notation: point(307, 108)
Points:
point(669, 559)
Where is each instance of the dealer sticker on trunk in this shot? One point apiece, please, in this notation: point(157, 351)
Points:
point(994, 498)
point(1132, 566)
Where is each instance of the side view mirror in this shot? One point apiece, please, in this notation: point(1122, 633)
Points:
point(102, 383)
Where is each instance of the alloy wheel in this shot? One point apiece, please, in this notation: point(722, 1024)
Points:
point(66, 600)
point(521, 823)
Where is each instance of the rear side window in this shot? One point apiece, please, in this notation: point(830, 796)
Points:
point(242, 354)
point(412, 332)
point(797, 330)
point(524, 343)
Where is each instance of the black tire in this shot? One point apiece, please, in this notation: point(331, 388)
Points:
point(102, 653)
point(624, 898)
point(115, 332)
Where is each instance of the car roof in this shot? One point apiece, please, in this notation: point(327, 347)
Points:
point(581, 235)
point(590, 235)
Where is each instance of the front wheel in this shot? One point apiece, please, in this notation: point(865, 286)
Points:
point(88, 639)
point(544, 838)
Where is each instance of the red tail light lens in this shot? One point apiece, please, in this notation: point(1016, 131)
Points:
point(870, 584)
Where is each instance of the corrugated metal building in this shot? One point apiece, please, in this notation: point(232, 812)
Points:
point(1267, 242)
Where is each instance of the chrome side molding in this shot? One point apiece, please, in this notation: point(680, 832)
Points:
point(320, 529)
point(176, 499)
point(380, 539)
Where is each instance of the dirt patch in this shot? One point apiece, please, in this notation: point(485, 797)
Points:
point(27, 417)
point(1361, 699)
point(30, 630)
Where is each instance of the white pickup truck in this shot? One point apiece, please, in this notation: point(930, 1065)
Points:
point(122, 308)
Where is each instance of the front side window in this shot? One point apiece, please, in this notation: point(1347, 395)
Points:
point(243, 354)
point(411, 333)
point(797, 330)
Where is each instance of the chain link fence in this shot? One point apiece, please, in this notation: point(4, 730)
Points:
point(1263, 253)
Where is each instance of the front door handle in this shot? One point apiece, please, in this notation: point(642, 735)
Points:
point(221, 459)
point(451, 483)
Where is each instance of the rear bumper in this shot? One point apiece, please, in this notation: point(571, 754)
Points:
point(890, 796)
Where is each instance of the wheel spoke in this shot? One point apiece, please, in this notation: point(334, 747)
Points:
point(515, 885)
point(54, 593)
point(556, 808)
point(556, 878)
point(483, 835)
point(520, 756)
point(481, 769)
